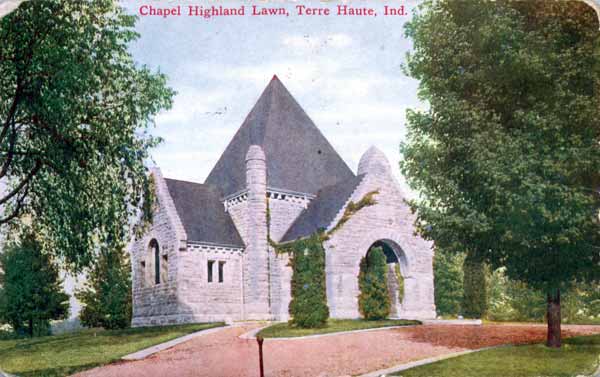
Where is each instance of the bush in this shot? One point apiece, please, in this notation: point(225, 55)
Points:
point(308, 306)
point(31, 293)
point(373, 301)
point(106, 296)
point(474, 287)
point(448, 280)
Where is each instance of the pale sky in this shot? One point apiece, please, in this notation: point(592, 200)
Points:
point(344, 71)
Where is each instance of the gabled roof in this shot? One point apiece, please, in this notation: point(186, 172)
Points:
point(203, 216)
point(322, 210)
point(299, 158)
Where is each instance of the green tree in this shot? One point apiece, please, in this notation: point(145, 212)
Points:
point(75, 111)
point(308, 306)
point(474, 300)
point(106, 296)
point(507, 156)
point(374, 299)
point(31, 293)
point(448, 280)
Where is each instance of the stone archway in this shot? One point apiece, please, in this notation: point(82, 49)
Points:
point(397, 268)
point(343, 254)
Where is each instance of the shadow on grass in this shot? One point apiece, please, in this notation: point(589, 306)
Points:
point(59, 371)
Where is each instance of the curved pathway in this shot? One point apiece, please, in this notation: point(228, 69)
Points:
point(224, 354)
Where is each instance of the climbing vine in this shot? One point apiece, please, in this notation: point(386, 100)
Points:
point(308, 306)
point(352, 208)
point(400, 279)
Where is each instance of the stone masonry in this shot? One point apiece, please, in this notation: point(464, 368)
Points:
point(207, 255)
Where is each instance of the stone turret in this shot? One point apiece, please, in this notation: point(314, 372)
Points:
point(256, 258)
point(374, 161)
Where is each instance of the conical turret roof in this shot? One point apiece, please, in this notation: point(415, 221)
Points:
point(299, 158)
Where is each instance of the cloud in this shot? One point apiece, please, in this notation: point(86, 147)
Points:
point(191, 102)
point(314, 43)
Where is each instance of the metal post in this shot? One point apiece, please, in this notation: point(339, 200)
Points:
point(260, 341)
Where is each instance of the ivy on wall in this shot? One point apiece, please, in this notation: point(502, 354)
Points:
point(400, 279)
point(352, 208)
point(308, 306)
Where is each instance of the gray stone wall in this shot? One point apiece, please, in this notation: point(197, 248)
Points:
point(238, 213)
point(391, 221)
point(281, 278)
point(155, 304)
point(283, 212)
point(204, 301)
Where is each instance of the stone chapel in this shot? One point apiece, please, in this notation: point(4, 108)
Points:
point(206, 257)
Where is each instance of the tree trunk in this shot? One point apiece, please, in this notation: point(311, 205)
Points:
point(553, 318)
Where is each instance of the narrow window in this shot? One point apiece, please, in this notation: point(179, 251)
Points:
point(142, 277)
point(156, 266)
point(155, 253)
point(210, 270)
point(221, 266)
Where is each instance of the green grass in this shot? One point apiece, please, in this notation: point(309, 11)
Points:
point(577, 356)
point(61, 355)
point(284, 330)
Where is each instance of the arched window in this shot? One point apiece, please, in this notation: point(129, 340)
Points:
point(155, 252)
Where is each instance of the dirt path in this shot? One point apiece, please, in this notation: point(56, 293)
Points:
point(224, 354)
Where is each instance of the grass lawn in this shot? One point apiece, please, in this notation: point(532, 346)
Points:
point(284, 330)
point(61, 355)
point(577, 356)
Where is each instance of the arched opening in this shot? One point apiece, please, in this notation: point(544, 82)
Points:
point(155, 254)
point(397, 269)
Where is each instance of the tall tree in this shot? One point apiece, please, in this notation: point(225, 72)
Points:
point(106, 296)
point(74, 116)
point(507, 157)
point(31, 293)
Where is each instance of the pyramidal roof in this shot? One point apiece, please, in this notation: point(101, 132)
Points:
point(299, 158)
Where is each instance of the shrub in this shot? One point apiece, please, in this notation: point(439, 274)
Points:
point(106, 296)
point(474, 287)
point(31, 293)
point(448, 280)
point(373, 301)
point(308, 306)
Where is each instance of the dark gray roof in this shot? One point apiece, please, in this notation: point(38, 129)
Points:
point(323, 209)
point(202, 213)
point(299, 158)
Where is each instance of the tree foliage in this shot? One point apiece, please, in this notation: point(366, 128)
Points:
point(374, 299)
point(74, 116)
point(31, 293)
point(308, 306)
point(106, 296)
point(474, 300)
point(507, 157)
